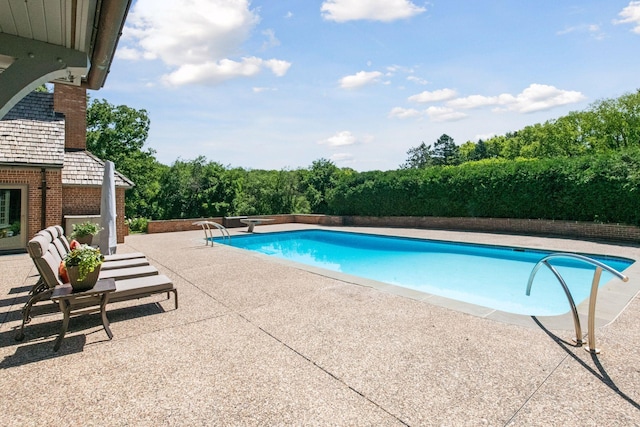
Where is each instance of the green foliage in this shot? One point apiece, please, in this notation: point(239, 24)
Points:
point(42, 88)
point(444, 152)
point(609, 124)
point(318, 182)
point(15, 228)
point(419, 157)
point(86, 258)
point(138, 225)
point(118, 133)
point(600, 188)
point(270, 192)
point(195, 189)
point(86, 228)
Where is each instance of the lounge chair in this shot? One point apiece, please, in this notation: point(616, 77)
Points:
point(63, 247)
point(131, 282)
point(56, 235)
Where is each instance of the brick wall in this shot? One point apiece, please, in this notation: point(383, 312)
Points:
point(170, 225)
point(72, 102)
point(32, 177)
point(80, 200)
point(570, 229)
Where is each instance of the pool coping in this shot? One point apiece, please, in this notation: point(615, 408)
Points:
point(613, 297)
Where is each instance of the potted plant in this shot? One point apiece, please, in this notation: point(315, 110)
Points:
point(15, 228)
point(83, 266)
point(85, 231)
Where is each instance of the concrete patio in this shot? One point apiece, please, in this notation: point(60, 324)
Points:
point(260, 342)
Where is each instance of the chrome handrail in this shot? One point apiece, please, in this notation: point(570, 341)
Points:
point(208, 232)
point(591, 347)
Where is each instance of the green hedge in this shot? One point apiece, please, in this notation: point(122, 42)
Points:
point(602, 188)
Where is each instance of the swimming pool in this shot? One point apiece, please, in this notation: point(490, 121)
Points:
point(490, 276)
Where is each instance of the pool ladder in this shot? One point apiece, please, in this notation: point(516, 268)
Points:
point(591, 319)
point(208, 226)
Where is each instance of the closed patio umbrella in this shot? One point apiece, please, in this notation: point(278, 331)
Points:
point(108, 240)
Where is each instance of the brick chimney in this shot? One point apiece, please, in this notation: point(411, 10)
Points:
point(72, 102)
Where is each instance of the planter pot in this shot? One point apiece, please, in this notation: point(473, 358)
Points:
point(85, 240)
point(88, 282)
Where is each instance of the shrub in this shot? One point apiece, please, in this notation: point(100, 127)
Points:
point(85, 229)
point(602, 188)
point(138, 225)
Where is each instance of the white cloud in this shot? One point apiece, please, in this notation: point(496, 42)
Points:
point(417, 80)
point(593, 30)
point(277, 66)
point(444, 114)
point(342, 158)
point(474, 101)
point(484, 137)
point(536, 97)
point(360, 79)
point(258, 89)
point(128, 53)
point(435, 96)
point(403, 113)
point(373, 10)
point(225, 69)
point(392, 69)
point(340, 139)
point(196, 38)
point(630, 15)
point(271, 41)
point(539, 97)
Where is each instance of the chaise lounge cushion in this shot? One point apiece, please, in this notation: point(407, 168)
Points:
point(46, 258)
point(139, 287)
point(124, 263)
point(128, 273)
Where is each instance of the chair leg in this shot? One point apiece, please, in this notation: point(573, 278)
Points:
point(175, 296)
point(34, 288)
point(41, 292)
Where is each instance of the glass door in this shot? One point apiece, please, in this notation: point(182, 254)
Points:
point(13, 217)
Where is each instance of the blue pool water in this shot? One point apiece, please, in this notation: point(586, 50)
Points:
point(490, 276)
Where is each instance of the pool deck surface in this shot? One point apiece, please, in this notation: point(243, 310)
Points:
point(262, 342)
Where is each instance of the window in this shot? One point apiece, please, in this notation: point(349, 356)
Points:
point(4, 208)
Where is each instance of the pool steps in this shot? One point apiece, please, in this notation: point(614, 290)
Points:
point(591, 344)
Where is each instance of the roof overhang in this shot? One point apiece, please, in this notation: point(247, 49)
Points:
point(67, 41)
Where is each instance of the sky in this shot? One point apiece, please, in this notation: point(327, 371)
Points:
point(277, 84)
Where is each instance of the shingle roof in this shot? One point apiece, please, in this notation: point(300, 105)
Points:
point(83, 168)
point(31, 133)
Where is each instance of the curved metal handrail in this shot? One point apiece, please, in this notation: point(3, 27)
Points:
point(592, 297)
point(208, 232)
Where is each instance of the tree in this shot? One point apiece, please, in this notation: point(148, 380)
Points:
point(196, 189)
point(317, 182)
point(118, 133)
point(419, 157)
point(42, 88)
point(445, 151)
point(470, 151)
point(616, 122)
